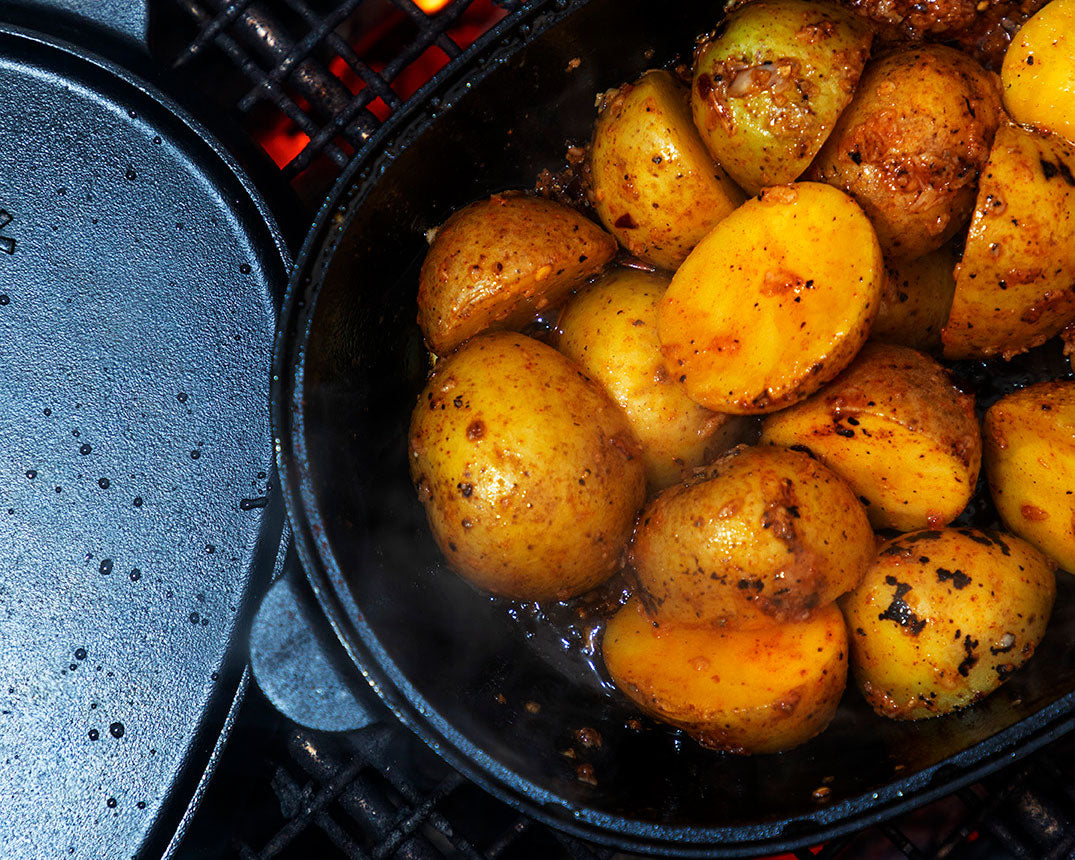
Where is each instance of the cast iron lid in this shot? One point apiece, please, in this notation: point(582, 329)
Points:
point(139, 276)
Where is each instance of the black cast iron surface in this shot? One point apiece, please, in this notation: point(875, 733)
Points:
point(138, 281)
point(504, 699)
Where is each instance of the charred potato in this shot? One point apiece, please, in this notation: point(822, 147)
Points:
point(495, 263)
point(770, 84)
point(1015, 287)
point(763, 313)
point(916, 300)
point(1030, 464)
point(653, 183)
point(742, 691)
point(763, 535)
point(944, 617)
point(610, 331)
point(911, 145)
point(529, 473)
point(897, 431)
point(1038, 74)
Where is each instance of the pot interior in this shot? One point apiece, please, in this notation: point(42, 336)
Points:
point(483, 678)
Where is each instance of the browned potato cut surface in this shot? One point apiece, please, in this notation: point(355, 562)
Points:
point(743, 691)
point(897, 431)
point(916, 300)
point(765, 311)
point(529, 473)
point(654, 185)
point(1030, 463)
point(912, 143)
point(496, 263)
point(610, 330)
point(762, 535)
point(1015, 287)
point(770, 84)
point(944, 617)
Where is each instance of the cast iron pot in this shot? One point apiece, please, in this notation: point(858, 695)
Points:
point(487, 683)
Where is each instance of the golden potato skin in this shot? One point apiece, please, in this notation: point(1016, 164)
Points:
point(911, 145)
point(1030, 463)
point(742, 691)
point(916, 300)
point(610, 330)
point(770, 84)
point(495, 263)
point(529, 474)
point(765, 310)
point(1015, 286)
point(944, 617)
point(653, 183)
point(1038, 74)
point(762, 535)
point(897, 431)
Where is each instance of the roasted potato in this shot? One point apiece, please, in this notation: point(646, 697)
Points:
point(911, 145)
point(770, 84)
point(1038, 74)
point(944, 617)
point(763, 312)
point(610, 331)
point(762, 535)
point(529, 473)
point(495, 263)
point(1030, 463)
point(916, 300)
point(1015, 287)
point(897, 431)
point(742, 691)
point(653, 183)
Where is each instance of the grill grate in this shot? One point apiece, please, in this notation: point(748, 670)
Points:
point(282, 792)
point(316, 68)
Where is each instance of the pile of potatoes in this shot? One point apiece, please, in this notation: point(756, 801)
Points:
point(741, 403)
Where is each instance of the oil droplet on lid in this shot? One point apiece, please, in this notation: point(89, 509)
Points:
point(131, 174)
point(195, 454)
point(135, 575)
point(195, 618)
point(94, 734)
point(251, 504)
point(104, 483)
point(138, 501)
point(141, 803)
point(116, 730)
point(80, 653)
point(245, 268)
point(112, 803)
point(105, 567)
point(31, 474)
point(47, 412)
point(181, 397)
point(84, 450)
point(5, 299)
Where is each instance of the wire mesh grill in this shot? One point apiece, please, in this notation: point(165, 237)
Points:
point(284, 792)
point(320, 68)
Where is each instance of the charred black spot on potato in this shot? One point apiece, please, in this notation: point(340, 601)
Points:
point(899, 611)
point(958, 578)
point(1007, 642)
point(971, 660)
point(1059, 169)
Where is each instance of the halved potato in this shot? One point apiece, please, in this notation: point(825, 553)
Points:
point(916, 300)
point(495, 263)
point(762, 535)
point(770, 84)
point(610, 330)
point(944, 617)
point(1039, 70)
point(742, 691)
point(774, 302)
point(911, 145)
point(1030, 463)
point(653, 183)
point(1015, 287)
point(529, 473)
point(897, 431)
